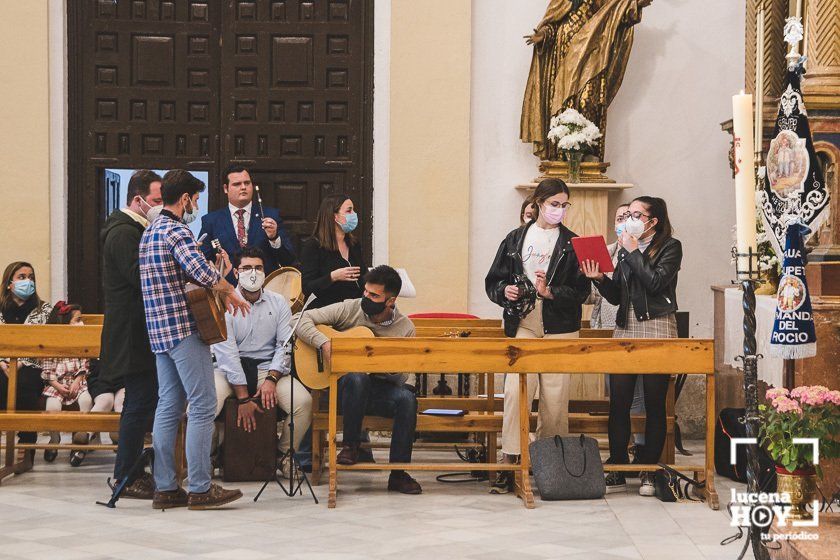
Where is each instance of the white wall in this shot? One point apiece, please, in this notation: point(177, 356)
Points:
point(663, 132)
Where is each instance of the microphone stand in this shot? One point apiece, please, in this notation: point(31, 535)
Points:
point(296, 473)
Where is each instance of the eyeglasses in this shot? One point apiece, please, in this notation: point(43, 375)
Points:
point(248, 268)
point(561, 205)
point(635, 215)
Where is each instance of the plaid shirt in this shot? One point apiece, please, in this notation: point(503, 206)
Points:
point(169, 257)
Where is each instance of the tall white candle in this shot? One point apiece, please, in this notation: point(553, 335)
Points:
point(759, 80)
point(742, 125)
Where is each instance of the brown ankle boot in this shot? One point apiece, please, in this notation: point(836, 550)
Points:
point(25, 458)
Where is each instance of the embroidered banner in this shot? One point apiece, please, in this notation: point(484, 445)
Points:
point(793, 185)
point(793, 334)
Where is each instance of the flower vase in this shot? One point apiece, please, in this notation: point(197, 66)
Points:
point(769, 283)
point(801, 485)
point(574, 158)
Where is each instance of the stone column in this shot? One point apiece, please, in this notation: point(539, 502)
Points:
point(822, 46)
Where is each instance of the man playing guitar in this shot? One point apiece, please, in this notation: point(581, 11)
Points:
point(169, 257)
point(359, 393)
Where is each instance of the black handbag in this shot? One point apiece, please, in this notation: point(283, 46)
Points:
point(667, 485)
point(568, 468)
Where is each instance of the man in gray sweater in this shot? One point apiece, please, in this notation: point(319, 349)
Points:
point(377, 395)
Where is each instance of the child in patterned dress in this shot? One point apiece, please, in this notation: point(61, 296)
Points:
point(66, 382)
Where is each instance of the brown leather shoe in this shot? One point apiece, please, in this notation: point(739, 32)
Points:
point(169, 499)
point(401, 482)
point(215, 497)
point(143, 488)
point(349, 454)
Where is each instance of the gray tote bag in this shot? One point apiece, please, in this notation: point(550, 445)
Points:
point(568, 468)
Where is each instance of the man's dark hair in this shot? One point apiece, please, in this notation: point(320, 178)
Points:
point(140, 184)
point(249, 252)
point(177, 182)
point(386, 276)
point(233, 168)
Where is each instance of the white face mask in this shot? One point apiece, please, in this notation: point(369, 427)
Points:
point(635, 227)
point(252, 281)
point(153, 212)
point(189, 217)
point(148, 213)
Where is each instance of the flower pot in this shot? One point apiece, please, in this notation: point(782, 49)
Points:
point(574, 159)
point(769, 283)
point(801, 485)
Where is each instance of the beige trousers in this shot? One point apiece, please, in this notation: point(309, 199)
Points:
point(303, 404)
point(553, 416)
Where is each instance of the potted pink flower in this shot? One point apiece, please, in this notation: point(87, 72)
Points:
point(804, 412)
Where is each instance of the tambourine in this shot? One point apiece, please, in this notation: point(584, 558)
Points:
point(287, 281)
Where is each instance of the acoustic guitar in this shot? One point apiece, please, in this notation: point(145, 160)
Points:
point(208, 310)
point(310, 367)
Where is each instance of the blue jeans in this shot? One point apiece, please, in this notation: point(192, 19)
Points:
point(360, 394)
point(185, 376)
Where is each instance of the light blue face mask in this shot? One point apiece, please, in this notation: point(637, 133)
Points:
point(352, 221)
point(23, 288)
point(619, 229)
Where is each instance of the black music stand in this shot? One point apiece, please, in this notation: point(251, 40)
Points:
point(295, 471)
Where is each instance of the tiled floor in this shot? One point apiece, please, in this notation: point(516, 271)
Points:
point(50, 513)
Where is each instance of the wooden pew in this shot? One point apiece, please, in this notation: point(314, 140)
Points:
point(47, 341)
point(584, 416)
point(520, 357)
point(54, 341)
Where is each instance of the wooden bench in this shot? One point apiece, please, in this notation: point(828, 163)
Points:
point(584, 416)
point(47, 341)
point(520, 357)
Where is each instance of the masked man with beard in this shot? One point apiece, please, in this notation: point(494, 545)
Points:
point(253, 362)
point(360, 394)
point(126, 359)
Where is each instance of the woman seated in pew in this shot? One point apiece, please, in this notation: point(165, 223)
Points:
point(538, 255)
point(603, 317)
point(21, 305)
point(644, 288)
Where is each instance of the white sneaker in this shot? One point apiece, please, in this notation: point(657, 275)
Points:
point(647, 488)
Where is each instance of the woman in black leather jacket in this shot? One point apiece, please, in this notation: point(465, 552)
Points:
point(644, 287)
point(540, 254)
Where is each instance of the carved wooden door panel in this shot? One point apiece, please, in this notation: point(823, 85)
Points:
point(283, 86)
point(144, 78)
point(296, 102)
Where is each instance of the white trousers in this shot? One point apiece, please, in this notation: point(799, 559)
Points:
point(553, 416)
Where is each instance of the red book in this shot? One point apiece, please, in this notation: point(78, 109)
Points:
point(593, 248)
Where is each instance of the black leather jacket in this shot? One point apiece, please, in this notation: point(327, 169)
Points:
point(568, 284)
point(650, 284)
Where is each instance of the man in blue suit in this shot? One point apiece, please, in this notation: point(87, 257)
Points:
point(242, 223)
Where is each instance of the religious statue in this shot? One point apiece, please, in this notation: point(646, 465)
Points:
point(581, 48)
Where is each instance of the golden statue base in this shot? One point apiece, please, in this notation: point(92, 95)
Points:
point(590, 171)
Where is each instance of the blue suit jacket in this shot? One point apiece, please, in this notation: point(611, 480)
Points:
point(219, 225)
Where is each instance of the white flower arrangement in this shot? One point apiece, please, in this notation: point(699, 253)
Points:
point(572, 132)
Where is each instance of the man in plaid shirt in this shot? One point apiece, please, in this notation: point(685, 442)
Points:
point(169, 257)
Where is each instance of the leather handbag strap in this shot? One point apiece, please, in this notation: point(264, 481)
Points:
point(677, 475)
point(559, 440)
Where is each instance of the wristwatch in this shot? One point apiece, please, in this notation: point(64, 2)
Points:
point(272, 377)
point(246, 400)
